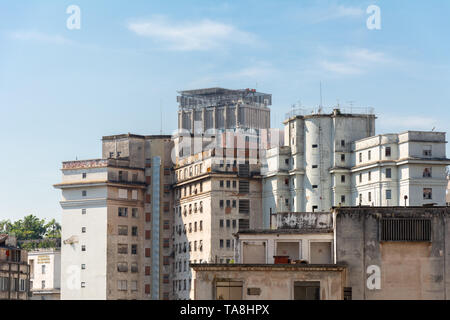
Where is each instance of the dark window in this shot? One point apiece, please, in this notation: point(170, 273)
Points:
point(84, 193)
point(221, 183)
point(427, 193)
point(221, 203)
point(343, 179)
point(221, 223)
point(134, 231)
point(388, 173)
point(314, 146)
point(343, 157)
point(342, 143)
point(405, 229)
point(315, 166)
point(388, 151)
point(244, 206)
point(342, 199)
point(347, 293)
point(307, 290)
point(84, 175)
point(388, 194)
point(134, 249)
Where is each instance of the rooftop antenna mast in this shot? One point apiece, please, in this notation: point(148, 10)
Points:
point(161, 120)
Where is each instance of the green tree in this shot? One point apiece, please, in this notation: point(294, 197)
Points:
point(30, 228)
point(53, 229)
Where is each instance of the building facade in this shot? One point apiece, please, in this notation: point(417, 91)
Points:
point(117, 221)
point(335, 160)
point(400, 169)
point(45, 274)
point(14, 270)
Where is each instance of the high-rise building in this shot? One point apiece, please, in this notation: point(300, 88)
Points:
point(217, 186)
point(116, 221)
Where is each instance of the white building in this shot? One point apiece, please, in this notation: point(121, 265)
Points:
point(400, 169)
point(335, 159)
point(45, 274)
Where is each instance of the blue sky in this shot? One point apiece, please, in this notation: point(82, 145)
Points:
point(61, 90)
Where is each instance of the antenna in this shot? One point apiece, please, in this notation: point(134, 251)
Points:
point(321, 94)
point(161, 117)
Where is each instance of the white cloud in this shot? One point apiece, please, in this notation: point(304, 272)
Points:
point(353, 61)
point(39, 37)
point(191, 36)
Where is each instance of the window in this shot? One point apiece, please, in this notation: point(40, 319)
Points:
point(388, 173)
point(286, 161)
point(228, 183)
point(369, 154)
point(221, 223)
point(360, 177)
point(134, 286)
point(84, 193)
point(405, 229)
point(122, 267)
point(244, 206)
point(43, 269)
point(427, 193)
point(314, 186)
point(83, 248)
point(134, 267)
point(83, 267)
point(343, 179)
point(201, 225)
point(134, 249)
point(314, 146)
point(360, 157)
point(122, 248)
point(343, 157)
point(123, 212)
point(147, 252)
point(369, 176)
point(342, 143)
point(233, 203)
point(122, 285)
point(228, 223)
point(83, 175)
point(388, 194)
point(221, 243)
point(234, 224)
point(123, 230)
point(83, 211)
point(221, 183)
point(134, 212)
point(134, 231)
point(342, 199)
point(315, 166)
point(229, 290)
point(307, 290)
point(370, 196)
point(43, 284)
point(83, 230)
point(427, 173)
point(427, 151)
point(228, 244)
point(221, 204)
point(387, 152)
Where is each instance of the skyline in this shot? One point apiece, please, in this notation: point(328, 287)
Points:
point(61, 90)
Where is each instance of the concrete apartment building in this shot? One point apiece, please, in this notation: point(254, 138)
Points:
point(217, 175)
point(408, 169)
point(14, 270)
point(333, 159)
point(294, 260)
point(116, 221)
point(45, 274)
point(377, 253)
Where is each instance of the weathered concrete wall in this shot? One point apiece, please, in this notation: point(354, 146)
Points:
point(408, 270)
point(305, 220)
point(274, 282)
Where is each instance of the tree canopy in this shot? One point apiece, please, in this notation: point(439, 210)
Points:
point(32, 232)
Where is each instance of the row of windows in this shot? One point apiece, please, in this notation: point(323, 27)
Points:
point(189, 172)
point(189, 190)
point(123, 212)
point(228, 183)
point(228, 222)
point(181, 285)
point(191, 246)
point(190, 208)
point(123, 267)
point(229, 243)
point(123, 231)
point(17, 285)
point(192, 227)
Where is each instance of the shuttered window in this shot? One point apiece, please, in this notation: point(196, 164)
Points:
point(403, 229)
